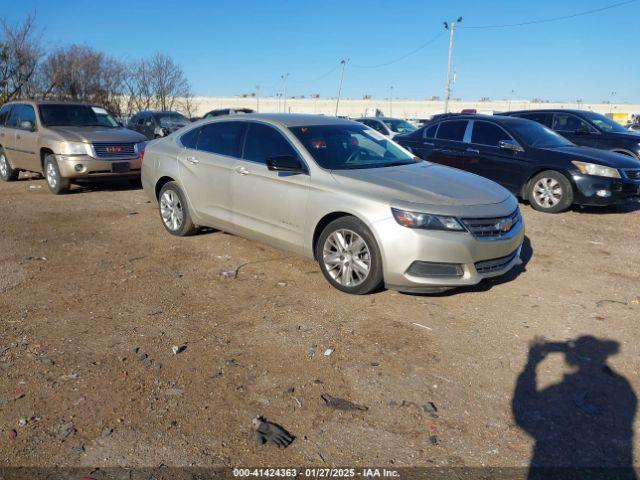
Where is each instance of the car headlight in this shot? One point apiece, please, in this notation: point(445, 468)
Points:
point(597, 170)
point(75, 148)
point(426, 220)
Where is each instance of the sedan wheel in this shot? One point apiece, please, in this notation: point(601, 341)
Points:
point(349, 257)
point(346, 258)
point(171, 210)
point(550, 192)
point(547, 192)
point(174, 211)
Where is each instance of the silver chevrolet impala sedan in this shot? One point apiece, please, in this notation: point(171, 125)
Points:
point(367, 210)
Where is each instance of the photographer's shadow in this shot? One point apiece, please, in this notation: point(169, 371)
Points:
point(582, 426)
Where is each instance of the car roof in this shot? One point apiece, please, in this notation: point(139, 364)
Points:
point(288, 119)
point(547, 110)
point(378, 118)
point(478, 116)
point(49, 102)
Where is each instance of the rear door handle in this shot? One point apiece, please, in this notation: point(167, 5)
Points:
point(193, 160)
point(242, 170)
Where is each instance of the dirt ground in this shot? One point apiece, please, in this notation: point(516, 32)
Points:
point(94, 294)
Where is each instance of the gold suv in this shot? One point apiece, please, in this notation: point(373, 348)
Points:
point(64, 142)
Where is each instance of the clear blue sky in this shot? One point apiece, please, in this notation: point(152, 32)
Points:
point(227, 47)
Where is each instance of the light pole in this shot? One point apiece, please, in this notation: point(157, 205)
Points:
point(510, 98)
point(343, 62)
point(391, 101)
point(447, 90)
point(613, 94)
point(258, 98)
point(284, 90)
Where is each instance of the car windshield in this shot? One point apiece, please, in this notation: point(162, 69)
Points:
point(173, 118)
point(75, 116)
point(536, 135)
point(400, 126)
point(603, 123)
point(342, 147)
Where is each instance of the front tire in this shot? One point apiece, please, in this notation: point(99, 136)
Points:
point(56, 183)
point(7, 173)
point(550, 192)
point(174, 211)
point(349, 257)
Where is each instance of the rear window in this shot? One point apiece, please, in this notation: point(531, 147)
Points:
point(453, 130)
point(222, 138)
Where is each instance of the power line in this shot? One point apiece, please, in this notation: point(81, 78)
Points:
point(415, 50)
point(324, 75)
point(553, 19)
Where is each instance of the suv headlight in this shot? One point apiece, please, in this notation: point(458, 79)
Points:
point(75, 148)
point(597, 170)
point(426, 220)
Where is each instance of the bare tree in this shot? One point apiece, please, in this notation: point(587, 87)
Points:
point(168, 82)
point(20, 55)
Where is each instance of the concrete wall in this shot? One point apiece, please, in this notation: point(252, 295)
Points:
point(401, 108)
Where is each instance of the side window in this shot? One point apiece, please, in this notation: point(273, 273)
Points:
point(4, 114)
point(141, 119)
point(149, 121)
point(453, 130)
point(222, 138)
point(431, 131)
point(376, 125)
point(28, 114)
point(264, 142)
point(14, 117)
point(485, 133)
point(190, 139)
point(565, 122)
point(543, 118)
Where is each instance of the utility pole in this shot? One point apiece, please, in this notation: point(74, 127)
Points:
point(284, 90)
point(613, 94)
point(343, 62)
point(447, 90)
point(391, 101)
point(258, 98)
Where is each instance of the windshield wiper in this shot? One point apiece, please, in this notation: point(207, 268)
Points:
point(397, 163)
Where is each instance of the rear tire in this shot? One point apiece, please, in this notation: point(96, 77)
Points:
point(349, 257)
point(7, 173)
point(550, 192)
point(56, 183)
point(174, 211)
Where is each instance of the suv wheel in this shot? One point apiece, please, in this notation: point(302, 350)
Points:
point(57, 184)
point(349, 257)
point(174, 211)
point(7, 173)
point(550, 192)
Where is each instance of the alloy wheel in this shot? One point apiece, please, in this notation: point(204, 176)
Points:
point(52, 175)
point(547, 192)
point(4, 167)
point(346, 257)
point(171, 210)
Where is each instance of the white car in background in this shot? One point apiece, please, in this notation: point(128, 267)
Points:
point(387, 126)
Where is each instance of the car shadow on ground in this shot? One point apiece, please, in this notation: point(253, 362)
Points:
point(104, 185)
point(582, 426)
point(622, 208)
point(487, 284)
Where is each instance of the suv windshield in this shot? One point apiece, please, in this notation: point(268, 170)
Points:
point(536, 135)
point(400, 126)
point(342, 147)
point(603, 123)
point(75, 116)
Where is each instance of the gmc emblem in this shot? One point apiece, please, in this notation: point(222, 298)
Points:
point(114, 149)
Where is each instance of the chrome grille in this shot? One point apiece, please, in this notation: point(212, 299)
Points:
point(494, 265)
point(632, 173)
point(492, 228)
point(114, 150)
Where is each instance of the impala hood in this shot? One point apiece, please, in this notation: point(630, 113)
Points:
point(423, 184)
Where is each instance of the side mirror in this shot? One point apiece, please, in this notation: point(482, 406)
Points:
point(510, 145)
point(27, 125)
point(285, 163)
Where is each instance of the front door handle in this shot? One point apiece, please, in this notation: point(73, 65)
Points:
point(18, 137)
point(193, 160)
point(242, 170)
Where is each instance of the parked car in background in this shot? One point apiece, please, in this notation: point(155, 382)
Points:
point(65, 142)
point(586, 128)
point(226, 111)
point(529, 159)
point(335, 190)
point(153, 124)
point(389, 127)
